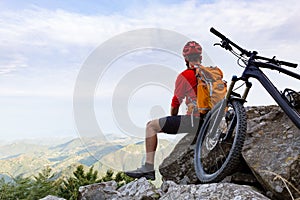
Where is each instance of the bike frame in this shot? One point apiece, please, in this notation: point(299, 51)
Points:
point(252, 71)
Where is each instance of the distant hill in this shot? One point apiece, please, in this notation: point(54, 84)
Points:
point(18, 148)
point(27, 159)
point(132, 156)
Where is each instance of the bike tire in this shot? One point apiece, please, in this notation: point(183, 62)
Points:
point(213, 165)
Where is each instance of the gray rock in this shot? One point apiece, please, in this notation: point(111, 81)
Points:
point(136, 190)
point(105, 190)
point(139, 189)
point(272, 151)
point(179, 165)
point(50, 197)
point(224, 191)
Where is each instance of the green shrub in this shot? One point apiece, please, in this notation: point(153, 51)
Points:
point(45, 183)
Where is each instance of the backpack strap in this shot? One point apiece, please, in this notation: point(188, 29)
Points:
point(202, 75)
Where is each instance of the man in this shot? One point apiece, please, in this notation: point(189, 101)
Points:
point(185, 88)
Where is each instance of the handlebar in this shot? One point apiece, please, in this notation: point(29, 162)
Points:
point(217, 33)
point(279, 62)
point(227, 42)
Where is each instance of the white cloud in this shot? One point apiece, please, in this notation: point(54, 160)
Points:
point(60, 38)
point(245, 20)
point(190, 17)
point(11, 63)
point(40, 26)
point(42, 50)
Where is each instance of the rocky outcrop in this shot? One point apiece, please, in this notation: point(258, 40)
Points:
point(272, 151)
point(271, 155)
point(141, 189)
point(179, 165)
point(104, 190)
point(50, 197)
point(222, 191)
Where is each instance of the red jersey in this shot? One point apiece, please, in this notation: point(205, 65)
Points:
point(185, 87)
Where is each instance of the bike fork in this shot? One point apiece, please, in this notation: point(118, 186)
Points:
point(232, 95)
point(237, 96)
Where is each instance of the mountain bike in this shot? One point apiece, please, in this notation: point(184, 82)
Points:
point(222, 135)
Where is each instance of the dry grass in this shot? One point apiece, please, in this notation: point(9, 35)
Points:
point(285, 182)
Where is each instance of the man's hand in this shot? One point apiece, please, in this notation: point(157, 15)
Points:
point(174, 111)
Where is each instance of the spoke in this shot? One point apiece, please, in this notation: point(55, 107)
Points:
point(216, 162)
point(229, 143)
point(222, 150)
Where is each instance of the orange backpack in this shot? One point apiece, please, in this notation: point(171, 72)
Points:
point(210, 89)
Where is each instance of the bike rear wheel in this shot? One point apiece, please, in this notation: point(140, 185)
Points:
point(217, 153)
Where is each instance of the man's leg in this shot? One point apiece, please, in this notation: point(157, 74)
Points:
point(152, 129)
point(170, 125)
point(147, 170)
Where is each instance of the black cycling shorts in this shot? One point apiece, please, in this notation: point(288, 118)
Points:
point(179, 124)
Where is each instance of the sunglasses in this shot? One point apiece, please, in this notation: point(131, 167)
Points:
point(194, 57)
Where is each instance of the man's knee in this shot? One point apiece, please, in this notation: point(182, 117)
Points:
point(153, 125)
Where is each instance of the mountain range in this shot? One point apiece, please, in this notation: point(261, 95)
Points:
point(28, 158)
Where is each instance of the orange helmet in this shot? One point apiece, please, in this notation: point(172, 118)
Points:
point(192, 50)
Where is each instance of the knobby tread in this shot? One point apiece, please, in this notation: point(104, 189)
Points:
point(233, 158)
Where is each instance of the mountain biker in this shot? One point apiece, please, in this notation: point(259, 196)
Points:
point(185, 88)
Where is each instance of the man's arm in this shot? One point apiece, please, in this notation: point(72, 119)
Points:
point(174, 111)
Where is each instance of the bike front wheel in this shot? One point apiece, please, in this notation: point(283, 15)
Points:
point(220, 142)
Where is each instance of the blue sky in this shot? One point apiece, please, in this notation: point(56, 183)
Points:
point(88, 7)
point(45, 43)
